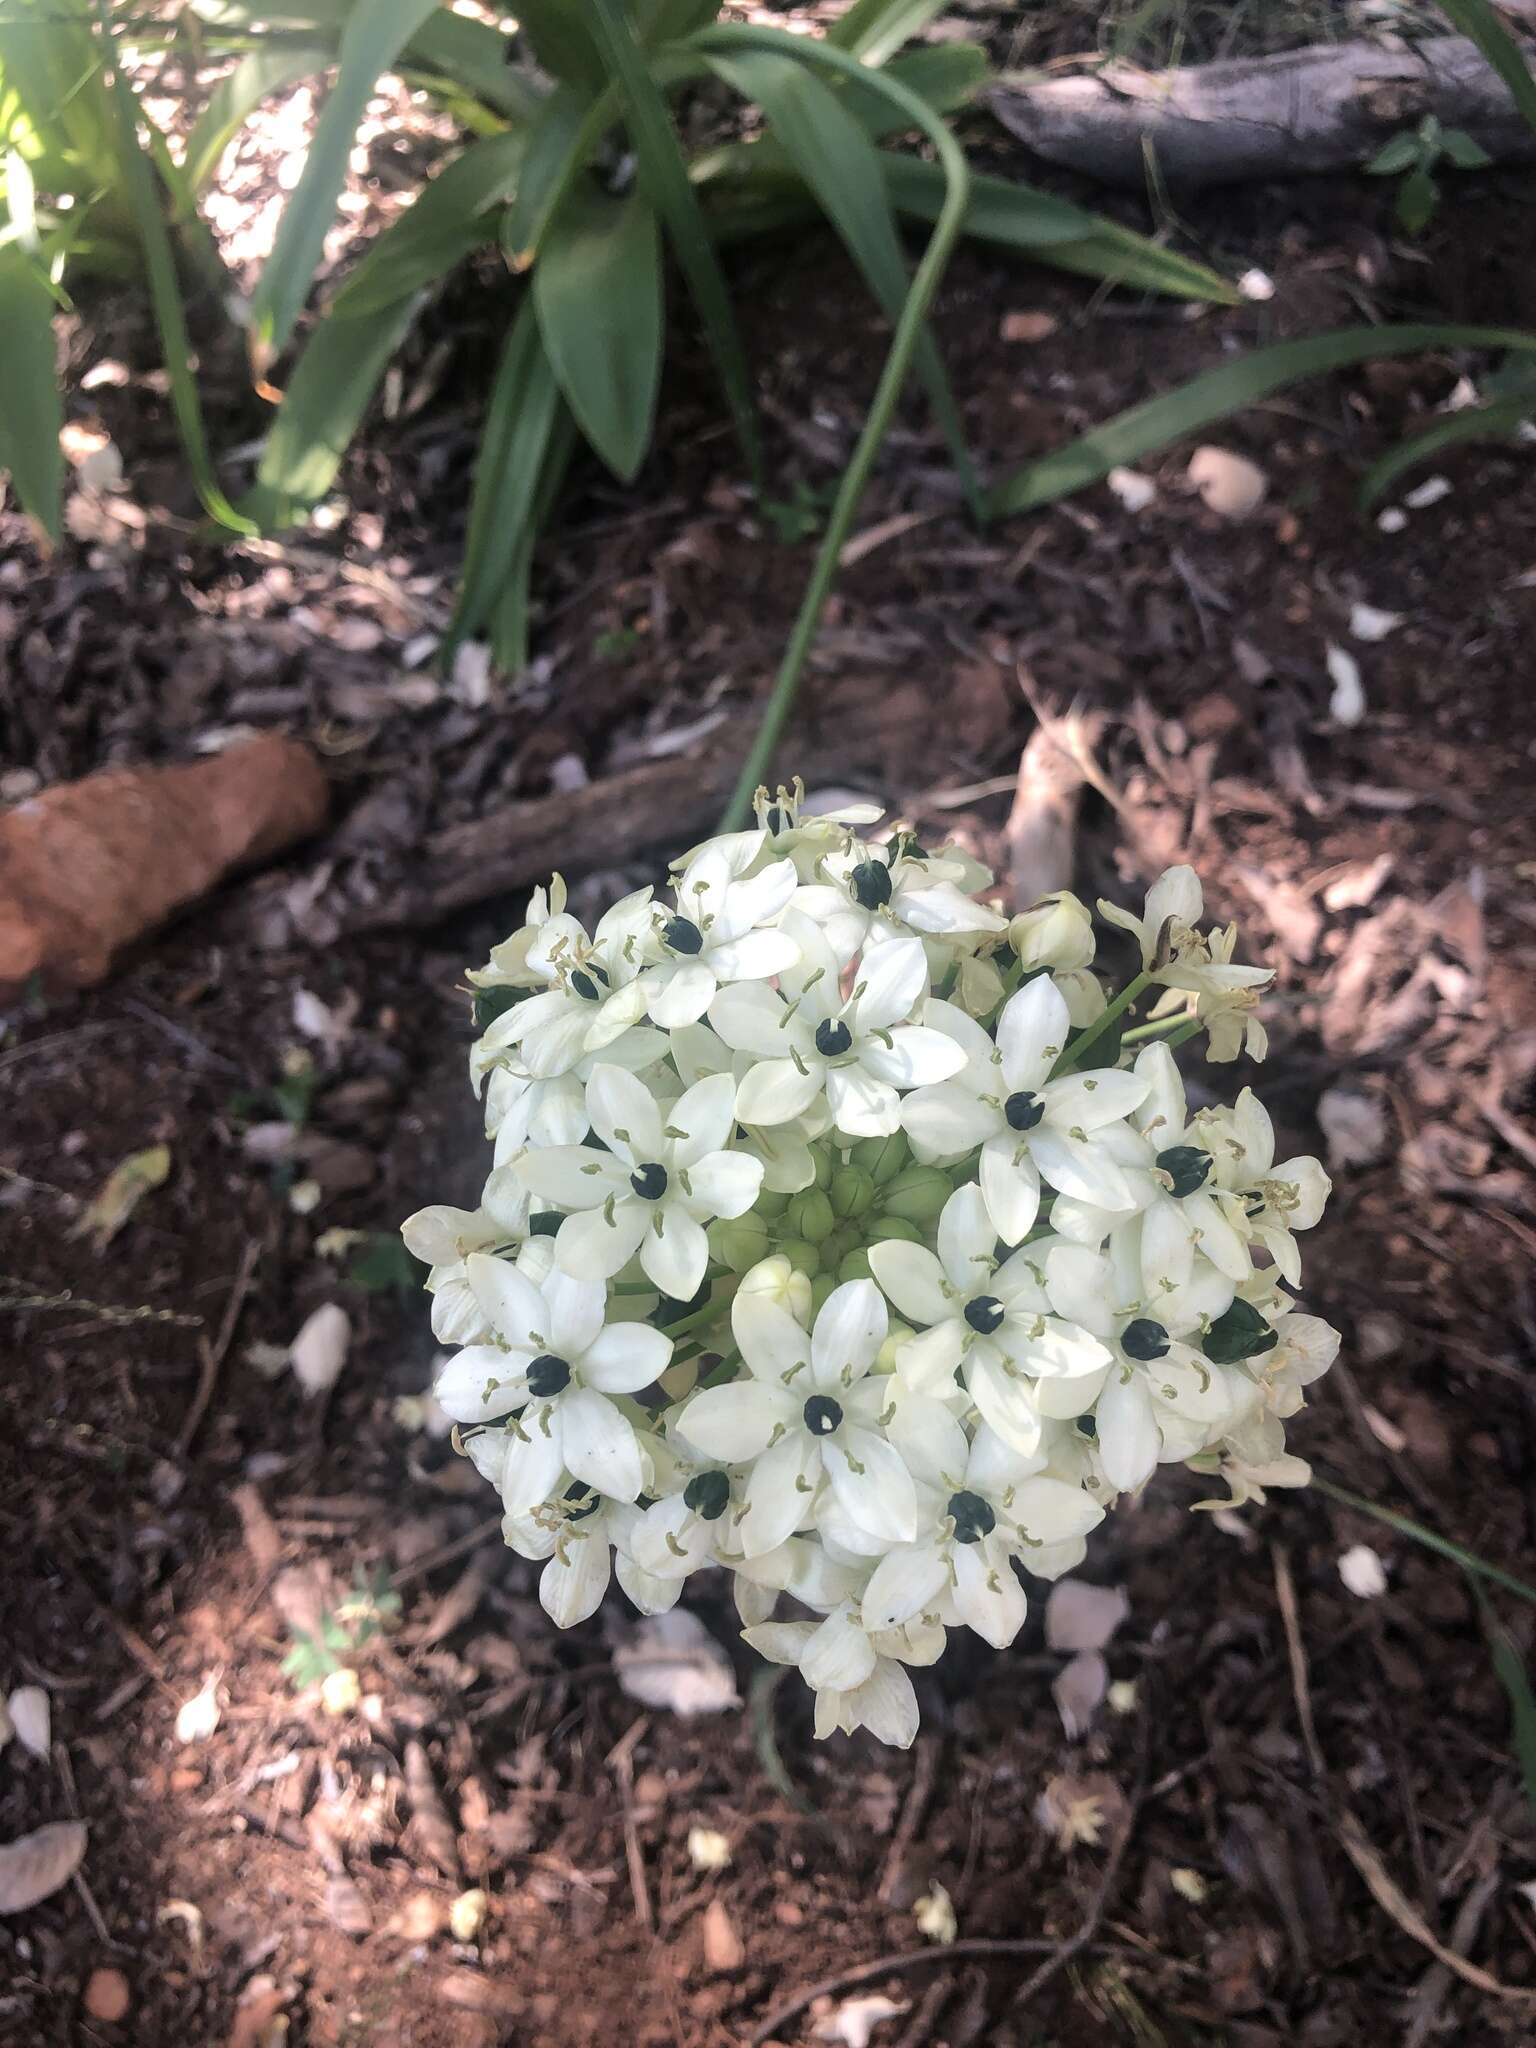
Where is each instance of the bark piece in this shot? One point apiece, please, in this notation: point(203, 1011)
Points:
point(89, 866)
point(1324, 108)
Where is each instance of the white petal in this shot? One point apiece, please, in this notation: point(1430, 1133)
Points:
point(916, 1057)
point(839, 1655)
point(1010, 1186)
point(778, 1493)
point(768, 1337)
point(886, 1705)
point(590, 1247)
point(1061, 1351)
point(682, 996)
point(574, 1176)
point(880, 1497)
point(927, 1363)
point(755, 957)
point(861, 1104)
point(722, 1184)
point(930, 1442)
point(1126, 1430)
point(1005, 1401)
point(513, 1306)
point(535, 1461)
point(1079, 1283)
point(847, 1334)
point(905, 1581)
point(624, 1115)
point(758, 900)
point(966, 1237)
point(891, 979)
point(988, 1596)
point(1031, 1031)
point(1088, 1100)
point(777, 1091)
point(1175, 894)
point(576, 1309)
point(600, 1444)
point(751, 1018)
point(943, 908)
point(481, 1384)
point(781, 1642)
point(706, 1113)
point(625, 1357)
point(675, 1254)
point(1080, 1168)
point(571, 1587)
point(734, 1422)
point(912, 1279)
point(948, 1119)
point(1050, 1511)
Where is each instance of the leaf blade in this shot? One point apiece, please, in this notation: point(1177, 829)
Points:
point(260, 75)
point(1498, 416)
point(1477, 20)
point(873, 30)
point(32, 417)
point(597, 290)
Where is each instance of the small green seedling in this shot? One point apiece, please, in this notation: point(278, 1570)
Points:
point(369, 1610)
point(1415, 155)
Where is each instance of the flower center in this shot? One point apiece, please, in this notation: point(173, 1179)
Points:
point(708, 1494)
point(972, 1516)
point(548, 1376)
point(984, 1314)
point(581, 1502)
point(1024, 1109)
point(649, 1182)
point(590, 982)
point(832, 1037)
point(822, 1415)
point(683, 935)
point(871, 881)
point(776, 819)
point(1144, 1339)
point(1187, 1167)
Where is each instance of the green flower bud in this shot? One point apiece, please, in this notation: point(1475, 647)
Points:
point(805, 1258)
point(821, 1287)
point(1057, 932)
point(738, 1243)
point(810, 1216)
point(852, 1191)
point(918, 1193)
point(822, 1157)
point(886, 1227)
point(854, 1266)
point(771, 1205)
point(882, 1158)
point(847, 1237)
point(898, 1334)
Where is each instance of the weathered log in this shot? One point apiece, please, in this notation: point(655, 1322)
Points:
point(1324, 108)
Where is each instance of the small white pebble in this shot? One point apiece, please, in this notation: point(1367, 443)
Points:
point(935, 1916)
point(1189, 1884)
point(1256, 285)
point(1122, 1696)
point(708, 1849)
point(1347, 704)
point(1393, 520)
point(1363, 1572)
point(1135, 491)
point(1428, 494)
point(466, 1916)
point(1366, 622)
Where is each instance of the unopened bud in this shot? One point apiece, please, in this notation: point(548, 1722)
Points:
point(821, 1157)
point(1083, 994)
point(854, 1266)
point(852, 1192)
point(978, 987)
point(883, 1158)
point(821, 1287)
point(1056, 932)
point(775, 1279)
point(811, 1216)
point(917, 1193)
point(771, 1205)
point(897, 1335)
point(739, 1242)
point(803, 1256)
point(887, 1227)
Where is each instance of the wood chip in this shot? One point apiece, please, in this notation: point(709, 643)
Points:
point(431, 1828)
point(723, 1947)
point(33, 1867)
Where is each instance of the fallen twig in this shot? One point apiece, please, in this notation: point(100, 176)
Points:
point(621, 1761)
point(212, 1355)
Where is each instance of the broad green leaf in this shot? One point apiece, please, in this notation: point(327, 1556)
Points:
point(1463, 151)
point(514, 442)
point(597, 290)
point(1218, 393)
point(668, 21)
point(873, 30)
point(840, 165)
point(262, 74)
point(138, 182)
point(1476, 423)
point(1395, 155)
point(946, 75)
point(664, 178)
point(1476, 19)
point(558, 139)
point(562, 42)
point(21, 201)
point(376, 32)
point(453, 214)
point(31, 409)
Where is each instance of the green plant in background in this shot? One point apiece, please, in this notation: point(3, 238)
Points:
point(369, 1610)
point(1413, 156)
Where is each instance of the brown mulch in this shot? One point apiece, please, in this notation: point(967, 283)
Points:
point(298, 1867)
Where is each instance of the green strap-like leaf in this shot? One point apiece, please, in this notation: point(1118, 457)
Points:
point(510, 620)
point(376, 32)
point(1500, 416)
point(454, 213)
point(841, 166)
point(514, 442)
point(873, 30)
point(1476, 19)
point(1211, 397)
point(31, 409)
point(562, 41)
point(664, 178)
point(597, 290)
point(560, 136)
point(137, 180)
point(260, 75)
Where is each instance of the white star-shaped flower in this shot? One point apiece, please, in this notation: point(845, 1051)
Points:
point(722, 930)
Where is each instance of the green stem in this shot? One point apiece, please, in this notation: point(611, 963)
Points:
point(909, 329)
point(1072, 1056)
point(1468, 1560)
point(1160, 1027)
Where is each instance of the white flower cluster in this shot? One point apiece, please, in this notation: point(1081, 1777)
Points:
point(848, 1235)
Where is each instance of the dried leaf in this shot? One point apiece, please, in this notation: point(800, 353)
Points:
point(122, 1191)
point(31, 1718)
point(1354, 1125)
point(1347, 704)
point(433, 1830)
point(346, 1908)
point(467, 1914)
point(672, 1661)
point(1078, 1691)
point(723, 1947)
point(1367, 623)
point(319, 1351)
point(33, 1867)
point(1083, 1617)
point(1363, 1572)
point(199, 1716)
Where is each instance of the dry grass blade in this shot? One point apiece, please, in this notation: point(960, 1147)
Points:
point(1388, 1894)
point(431, 1825)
